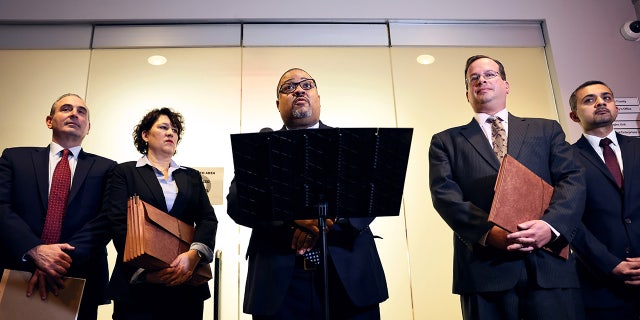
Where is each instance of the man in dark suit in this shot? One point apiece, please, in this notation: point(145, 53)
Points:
point(26, 175)
point(500, 275)
point(608, 242)
point(281, 282)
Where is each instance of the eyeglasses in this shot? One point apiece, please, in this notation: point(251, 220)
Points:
point(487, 75)
point(289, 87)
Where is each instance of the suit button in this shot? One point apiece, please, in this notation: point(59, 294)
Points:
point(627, 250)
point(627, 221)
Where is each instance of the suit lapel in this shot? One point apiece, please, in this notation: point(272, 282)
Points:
point(592, 156)
point(630, 159)
point(518, 128)
point(473, 133)
point(184, 188)
point(80, 174)
point(148, 176)
point(40, 160)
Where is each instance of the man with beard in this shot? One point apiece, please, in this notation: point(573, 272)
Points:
point(281, 282)
point(500, 275)
point(607, 242)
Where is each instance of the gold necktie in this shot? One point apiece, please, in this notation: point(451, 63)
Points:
point(498, 137)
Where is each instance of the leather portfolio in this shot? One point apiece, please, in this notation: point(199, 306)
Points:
point(155, 238)
point(520, 195)
point(15, 305)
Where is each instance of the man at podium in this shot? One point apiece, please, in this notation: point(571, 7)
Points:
point(284, 280)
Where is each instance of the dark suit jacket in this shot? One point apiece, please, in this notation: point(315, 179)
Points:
point(462, 174)
point(271, 260)
point(191, 206)
point(611, 223)
point(24, 193)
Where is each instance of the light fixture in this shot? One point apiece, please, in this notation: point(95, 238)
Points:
point(157, 60)
point(425, 59)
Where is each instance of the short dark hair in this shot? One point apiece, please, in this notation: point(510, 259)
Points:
point(573, 99)
point(472, 59)
point(53, 106)
point(147, 122)
point(282, 76)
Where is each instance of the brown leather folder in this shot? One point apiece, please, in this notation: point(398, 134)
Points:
point(520, 195)
point(155, 239)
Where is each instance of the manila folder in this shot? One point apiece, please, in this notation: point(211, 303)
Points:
point(15, 305)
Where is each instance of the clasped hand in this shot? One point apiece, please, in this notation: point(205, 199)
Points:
point(306, 234)
point(531, 235)
point(52, 263)
point(178, 272)
point(629, 271)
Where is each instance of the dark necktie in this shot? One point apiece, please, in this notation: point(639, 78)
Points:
point(611, 160)
point(498, 137)
point(60, 183)
point(313, 255)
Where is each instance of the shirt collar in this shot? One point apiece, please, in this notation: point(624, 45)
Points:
point(502, 114)
point(594, 141)
point(55, 149)
point(144, 160)
point(315, 126)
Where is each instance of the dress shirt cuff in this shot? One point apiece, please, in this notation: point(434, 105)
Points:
point(136, 278)
point(555, 232)
point(205, 252)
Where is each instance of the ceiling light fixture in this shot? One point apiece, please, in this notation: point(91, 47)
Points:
point(425, 59)
point(157, 60)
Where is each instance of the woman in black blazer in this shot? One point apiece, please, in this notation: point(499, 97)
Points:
point(159, 181)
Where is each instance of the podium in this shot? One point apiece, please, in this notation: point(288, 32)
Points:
point(320, 173)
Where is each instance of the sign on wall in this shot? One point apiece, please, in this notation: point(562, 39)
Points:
point(212, 179)
point(628, 121)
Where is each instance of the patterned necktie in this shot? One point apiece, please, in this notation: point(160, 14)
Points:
point(611, 161)
point(313, 255)
point(498, 137)
point(60, 183)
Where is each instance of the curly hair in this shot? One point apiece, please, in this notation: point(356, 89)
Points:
point(147, 122)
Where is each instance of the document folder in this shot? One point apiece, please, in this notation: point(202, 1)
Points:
point(520, 195)
point(15, 305)
point(155, 238)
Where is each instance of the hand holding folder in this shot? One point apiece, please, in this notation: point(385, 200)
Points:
point(520, 195)
point(155, 238)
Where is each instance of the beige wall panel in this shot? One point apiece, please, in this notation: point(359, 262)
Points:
point(431, 98)
point(355, 87)
point(203, 85)
point(30, 81)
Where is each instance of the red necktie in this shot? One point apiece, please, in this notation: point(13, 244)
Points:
point(611, 160)
point(58, 196)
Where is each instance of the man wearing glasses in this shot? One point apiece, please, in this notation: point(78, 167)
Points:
point(500, 275)
point(284, 280)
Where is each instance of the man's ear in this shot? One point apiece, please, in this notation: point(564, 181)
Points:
point(574, 117)
point(47, 120)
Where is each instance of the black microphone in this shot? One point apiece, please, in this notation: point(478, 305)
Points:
point(266, 129)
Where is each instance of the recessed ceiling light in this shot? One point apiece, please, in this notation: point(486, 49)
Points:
point(157, 60)
point(425, 59)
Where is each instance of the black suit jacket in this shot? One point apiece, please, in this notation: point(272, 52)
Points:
point(24, 193)
point(191, 206)
point(611, 223)
point(462, 174)
point(271, 260)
